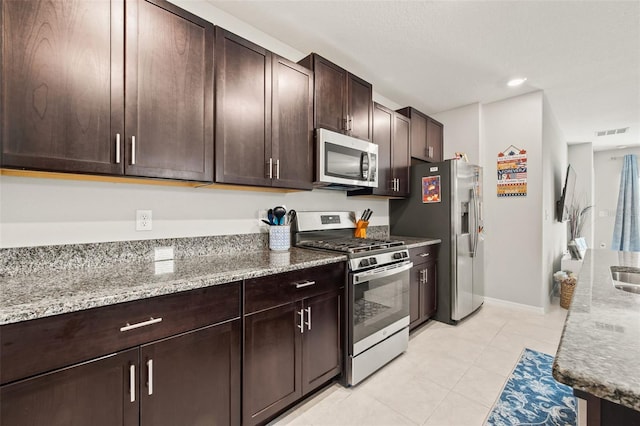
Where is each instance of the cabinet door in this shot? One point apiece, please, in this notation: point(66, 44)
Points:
point(383, 137)
point(419, 136)
point(169, 92)
point(292, 124)
point(428, 294)
point(435, 133)
point(192, 379)
point(415, 284)
point(94, 393)
point(321, 340)
point(243, 111)
point(330, 95)
point(272, 361)
point(62, 84)
point(359, 107)
point(400, 156)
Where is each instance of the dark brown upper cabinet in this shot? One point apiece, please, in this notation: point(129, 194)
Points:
point(169, 92)
point(65, 74)
point(343, 102)
point(391, 132)
point(263, 116)
point(426, 135)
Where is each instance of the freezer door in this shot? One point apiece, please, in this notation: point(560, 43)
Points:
point(463, 208)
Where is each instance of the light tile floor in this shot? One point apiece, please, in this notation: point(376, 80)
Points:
point(450, 375)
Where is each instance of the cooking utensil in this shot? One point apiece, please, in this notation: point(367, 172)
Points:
point(267, 222)
point(270, 216)
point(279, 213)
point(291, 215)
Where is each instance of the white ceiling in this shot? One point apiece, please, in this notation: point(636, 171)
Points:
point(440, 55)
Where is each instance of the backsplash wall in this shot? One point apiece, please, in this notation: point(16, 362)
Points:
point(35, 211)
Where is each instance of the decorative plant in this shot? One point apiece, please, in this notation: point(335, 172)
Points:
point(577, 217)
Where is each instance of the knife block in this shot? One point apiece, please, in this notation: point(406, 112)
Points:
point(361, 229)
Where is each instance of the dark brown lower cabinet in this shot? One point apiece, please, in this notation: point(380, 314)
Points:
point(321, 341)
point(422, 285)
point(94, 393)
point(190, 379)
point(289, 351)
point(272, 362)
point(292, 338)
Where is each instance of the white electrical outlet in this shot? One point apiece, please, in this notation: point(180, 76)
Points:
point(143, 220)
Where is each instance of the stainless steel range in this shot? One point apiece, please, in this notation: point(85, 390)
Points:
point(377, 308)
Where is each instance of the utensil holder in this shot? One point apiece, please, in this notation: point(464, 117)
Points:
point(361, 229)
point(280, 237)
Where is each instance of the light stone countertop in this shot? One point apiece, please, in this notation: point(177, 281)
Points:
point(413, 242)
point(53, 292)
point(599, 352)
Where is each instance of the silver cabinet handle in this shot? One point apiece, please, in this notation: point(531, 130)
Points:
point(345, 122)
point(117, 148)
point(301, 326)
point(150, 376)
point(151, 320)
point(304, 284)
point(278, 168)
point(397, 185)
point(132, 383)
point(308, 317)
point(430, 151)
point(426, 276)
point(424, 254)
point(270, 168)
point(133, 150)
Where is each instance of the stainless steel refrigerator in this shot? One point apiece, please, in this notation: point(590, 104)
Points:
point(446, 203)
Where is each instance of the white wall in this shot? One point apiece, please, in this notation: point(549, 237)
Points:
point(514, 224)
point(462, 132)
point(45, 211)
point(554, 162)
point(581, 160)
point(606, 187)
point(50, 211)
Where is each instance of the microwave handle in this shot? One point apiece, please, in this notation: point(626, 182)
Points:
point(364, 164)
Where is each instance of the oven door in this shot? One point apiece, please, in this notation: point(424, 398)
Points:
point(379, 305)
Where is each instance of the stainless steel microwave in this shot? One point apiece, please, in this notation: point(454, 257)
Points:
point(344, 162)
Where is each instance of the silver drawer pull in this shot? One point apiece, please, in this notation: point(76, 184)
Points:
point(424, 254)
point(308, 316)
point(304, 284)
point(132, 383)
point(152, 320)
point(301, 326)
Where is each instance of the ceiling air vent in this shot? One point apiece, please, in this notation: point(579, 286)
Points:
point(612, 132)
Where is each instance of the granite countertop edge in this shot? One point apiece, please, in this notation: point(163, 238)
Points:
point(413, 242)
point(595, 354)
point(66, 303)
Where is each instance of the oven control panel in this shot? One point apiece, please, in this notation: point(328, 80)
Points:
point(369, 260)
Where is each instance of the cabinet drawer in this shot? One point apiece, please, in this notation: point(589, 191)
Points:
point(40, 345)
point(424, 254)
point(267, 292)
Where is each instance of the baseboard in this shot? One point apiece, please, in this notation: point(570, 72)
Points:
point(508, 304)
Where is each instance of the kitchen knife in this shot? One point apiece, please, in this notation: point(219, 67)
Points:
point(369, 214)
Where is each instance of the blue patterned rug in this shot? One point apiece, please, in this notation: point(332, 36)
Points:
point(533, 397)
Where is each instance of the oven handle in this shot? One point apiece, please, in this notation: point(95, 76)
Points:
point(381, 272)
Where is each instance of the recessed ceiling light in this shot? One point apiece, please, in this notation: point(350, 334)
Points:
point(621, 146)
point(516, 82)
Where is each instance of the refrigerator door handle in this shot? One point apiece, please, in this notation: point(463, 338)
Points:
point(474, 223)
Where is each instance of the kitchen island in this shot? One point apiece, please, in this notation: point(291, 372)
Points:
point(599, 352)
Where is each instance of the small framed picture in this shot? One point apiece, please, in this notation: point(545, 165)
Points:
point(431, 189)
